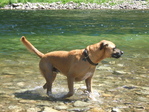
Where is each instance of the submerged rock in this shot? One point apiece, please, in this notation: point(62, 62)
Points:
point(61, 107)
point(33, 110)
point(96, 109)
point(81, 104)
point(120, 72)
point(21, 84)
point(104, 68)
point(78, 109)
point(14, 108)
point(48, 109)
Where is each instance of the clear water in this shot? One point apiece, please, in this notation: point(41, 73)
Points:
point(50, 30)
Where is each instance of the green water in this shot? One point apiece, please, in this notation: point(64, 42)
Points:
point(50, 30)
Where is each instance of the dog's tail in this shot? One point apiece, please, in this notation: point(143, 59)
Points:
point(30, 47)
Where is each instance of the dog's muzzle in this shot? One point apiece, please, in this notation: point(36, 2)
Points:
point(117, 53)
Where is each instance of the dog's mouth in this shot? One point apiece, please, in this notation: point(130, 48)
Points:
point(117, 54)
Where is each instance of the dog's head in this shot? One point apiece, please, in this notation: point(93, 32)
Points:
point(110, 49)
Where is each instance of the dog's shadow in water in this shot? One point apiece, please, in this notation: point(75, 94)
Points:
point(39, 94)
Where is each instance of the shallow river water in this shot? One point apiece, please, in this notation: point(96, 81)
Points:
point(119, 85)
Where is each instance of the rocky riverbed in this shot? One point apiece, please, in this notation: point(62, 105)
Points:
point(128, 4)
point(115, 89)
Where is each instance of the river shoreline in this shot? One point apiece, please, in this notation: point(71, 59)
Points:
point(73, 5)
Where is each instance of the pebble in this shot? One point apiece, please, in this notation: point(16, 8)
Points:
point(120, 72)
point(61, 107)
point(48, 109)
point(21, 84)
point(27, 101)
point(120, 65)
point(143, 99)
point(78, 109)
point(107, 95)
point(96, 109)
point(33, 110)
point(14, 108)
point(81, 104)
point(104, 68)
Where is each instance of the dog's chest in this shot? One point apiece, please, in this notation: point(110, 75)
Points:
point(87, 75)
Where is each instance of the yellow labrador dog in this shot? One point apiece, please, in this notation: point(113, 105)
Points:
point(76, 65)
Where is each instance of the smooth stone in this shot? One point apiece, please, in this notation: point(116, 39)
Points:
point(78, 109)
point(33, 110)
point(48, 109)
point(107, 95)
point(143, 99)
point(61, 107)
point(81, 104)
point(146, 92)
point(21, 84)
point(120, 65)
point(5, 96)
point(27, 101)
point(14, 108)
point(120, 72)
point(104, 68)
point(96, 109)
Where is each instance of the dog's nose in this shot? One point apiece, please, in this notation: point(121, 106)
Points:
point(122, 52)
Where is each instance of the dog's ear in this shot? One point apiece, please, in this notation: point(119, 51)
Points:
point(103, 45)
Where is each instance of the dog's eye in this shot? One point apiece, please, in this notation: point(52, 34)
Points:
point(114, 49)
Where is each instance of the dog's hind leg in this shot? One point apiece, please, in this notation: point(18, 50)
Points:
point(53, 78)
point(54, 73)
point(46, 70)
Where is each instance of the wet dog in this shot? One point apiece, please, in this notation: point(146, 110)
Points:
point(76, 65)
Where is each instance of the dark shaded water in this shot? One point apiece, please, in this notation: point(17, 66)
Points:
point(121, 83)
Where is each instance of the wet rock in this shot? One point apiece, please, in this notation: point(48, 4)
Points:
point(146, 92)
point(61, 107)
point(120, 72)
point(21, 84)
point(48, 109)
point(78, 109)
point(129, 87)
point(120, 65)
point(14, 108)
point(27, 101)
point(107, 95)
point(143, 99)
point(33, 110)
point(5, 96)
point(81, 104)
point(96, 109)
point(146, 88)
point(104, 68)
point(112, 62)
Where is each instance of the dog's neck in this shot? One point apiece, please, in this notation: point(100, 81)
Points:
point(96, 58)
point(85, 52)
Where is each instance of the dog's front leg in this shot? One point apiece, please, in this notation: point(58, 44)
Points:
point(70, 81)
point(89, 84)
point(89, 88)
